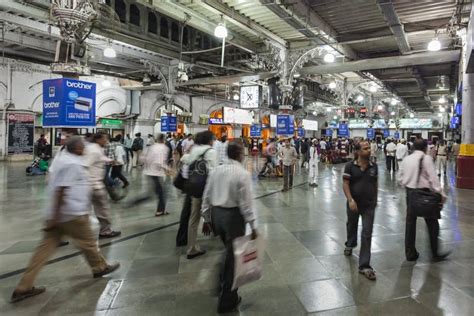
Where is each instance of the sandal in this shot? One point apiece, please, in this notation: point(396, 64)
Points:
point(161, 213)
point(369, 274)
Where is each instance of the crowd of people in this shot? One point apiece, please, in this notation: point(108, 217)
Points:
point(217, 188)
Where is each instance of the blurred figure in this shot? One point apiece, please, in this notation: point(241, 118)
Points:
point(221, 150)
point(401, 152)
point(127, 144)
point(289, 157)
point(374, 148)
point(390, 150)
point(70, 193)
point(441, 156)
point(41, 145)
point(187, 143)
point(456, 148)
point(420, 164)
point(155, 168)
point(313, 164)
point(95, 161)
point(109, 149)
point(270, 153)
point(137, 149)
point(120, 157)
point(228, 205)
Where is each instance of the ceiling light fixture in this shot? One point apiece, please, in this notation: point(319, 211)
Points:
point(332, 85)
point(335, 117)
point(373, 88)
point(442, 109)
point(109, 52)
point(392, 113)
point(394, 101)
point(220, 31)
point(236, 97)
point(380, 107)
point(442, 100)
point(412, 115)
point(360, 98)
point(440, 114)
point(328, 109)
point(434, 45)
point(315, 113)
point(329, 58)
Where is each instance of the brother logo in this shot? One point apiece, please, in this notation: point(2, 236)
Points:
point(51, 105)
point(79, 85)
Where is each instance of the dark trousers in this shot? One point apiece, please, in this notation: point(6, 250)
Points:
point(268, 163)
point(229, 224)
point(107, 179)
point(367, 215)
point(287, 177)
point(391, 163)
point(157, 183)
point(305, 159)
point(182, 236)
point(129, 154)
point(410, 230)
point(117, 173)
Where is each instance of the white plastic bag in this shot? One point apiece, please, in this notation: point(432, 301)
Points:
point(248, 255)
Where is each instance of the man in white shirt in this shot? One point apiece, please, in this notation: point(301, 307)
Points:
point(187, 144)
point(221, 150)
point(228, 201)
point(67, 215)
point(401, 152)
point(411, 178)
point(390, 150)
point(373, 151)
point(288, 156)
point(95, 161)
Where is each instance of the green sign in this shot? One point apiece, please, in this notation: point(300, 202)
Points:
point(111, 123)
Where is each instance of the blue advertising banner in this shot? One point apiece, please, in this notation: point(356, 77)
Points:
point(370, 133)
point(255, 130)
point(301, 132)
point(164, 124)
point(291, 126)
point(386, 133)
point(458, 109)
point(343, 130)
point(329, 132)
point(283, 125)
point(68, 102)
point(396, 135)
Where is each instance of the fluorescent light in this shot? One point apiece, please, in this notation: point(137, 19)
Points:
point(440, 114)
point(328, 109)
point(329, 58)
point(315, 113)
point(434, 45)
point(394, 101)
point(412, 115)
point(360, 98)
point(109, 52)
point(296, 75)
point(392, 113)
point(332, 85)
point(335, 117)
point(106, 83)
point(220, 31)
point(442, 100)
point(373, 88)
point(441, 109)
point(380, 107)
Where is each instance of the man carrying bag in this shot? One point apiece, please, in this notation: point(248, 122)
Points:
point(424, 198)
point(228, 204)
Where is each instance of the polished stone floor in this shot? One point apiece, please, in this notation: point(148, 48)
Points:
point(305, 270)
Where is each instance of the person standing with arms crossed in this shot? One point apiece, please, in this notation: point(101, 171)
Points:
point(360, 188)
point(289, 157)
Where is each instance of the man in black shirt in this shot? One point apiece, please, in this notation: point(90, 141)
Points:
point(360, 188)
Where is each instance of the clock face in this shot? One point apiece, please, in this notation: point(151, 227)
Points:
point(249, 97)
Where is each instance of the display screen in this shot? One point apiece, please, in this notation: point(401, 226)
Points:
point(416, 123)
point(358, 123)
point(237, 116)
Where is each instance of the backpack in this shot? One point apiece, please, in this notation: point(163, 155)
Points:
point(179, 147)
point(137, 144)
point(197, 176)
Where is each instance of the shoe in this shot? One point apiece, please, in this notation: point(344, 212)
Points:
point(348, 251)
point(442, 257)
point(110, 235)
point(414, 258)
point(197, 254)
point(17, 296)
point(109, 269)
point(284, 190)
point(223, 310)
point(63, 243)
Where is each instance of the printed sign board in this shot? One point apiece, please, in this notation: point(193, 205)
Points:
point(255, 130)
point(343, 130)
point(370, 133)
point(169, 124)
point(21, 128)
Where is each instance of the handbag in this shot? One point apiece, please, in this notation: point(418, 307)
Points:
point(424, 202)
point(179, 181)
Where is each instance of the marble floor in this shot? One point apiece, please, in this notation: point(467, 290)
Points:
point(305, 271)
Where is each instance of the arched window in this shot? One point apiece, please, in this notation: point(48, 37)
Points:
point(175, 32)
point(152, 23)
point(164, 29)
point(134, 15)
point(121, 10)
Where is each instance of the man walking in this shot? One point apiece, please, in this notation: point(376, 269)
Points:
point(313, 164)
point(228, 204)
point(289, 157)
point(421, 165)
point(441, 157)
point(401, 151)
point(137, 149)
point(360, 189)
point(127, 144)
point(70, 190)
point(120, 157)
point(390, 150)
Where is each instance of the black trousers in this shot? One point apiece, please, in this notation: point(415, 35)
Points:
point(157, 183)
point(117, 173)
point(352, 223)
point(410, 230)
point(229, 224)
point(182, 236)
point(391, 163)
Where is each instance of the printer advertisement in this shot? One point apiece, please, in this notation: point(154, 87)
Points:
point(68, 102)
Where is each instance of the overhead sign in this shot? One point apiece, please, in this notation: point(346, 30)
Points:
point(379, 123)
point(343, 130)
point(386, 133)
point(169, 124)
point(329, 132)
point(416, 123)
point(21, 129)
point(216, 121)
point(358, 123)
point(68, 102)
point(301, 132)
point(110, 123)
point(236, 116)
point(370, 133)
point(273, 120)
point(310, 125)
point(285, 124)
point(255, 130)
point(396, 135)
point(458, 109)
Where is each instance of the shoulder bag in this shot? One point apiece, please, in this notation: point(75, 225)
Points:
point(424, 202)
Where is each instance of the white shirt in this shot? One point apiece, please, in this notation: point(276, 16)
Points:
point(313, 153)
point(409, 169)
point(95, 160)
point(391, 148)
point(402, 151)
point(373, 149)
point(221, 150)
point(229, 185)
point(120, 155)
point(187, 144)
point(322, 144)
point(69, 173)
point(155, 160)
point(288, 155)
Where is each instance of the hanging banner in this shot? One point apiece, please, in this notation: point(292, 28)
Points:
point(169, 124)
point(291, 126)
point(310, 125)
point(343, 130)
point(396, 135)
point(386, 133)
point(255, 130)
point(283, 125)
point(68, 102)
point(329, 132)
point(370, 133)
point(21, 129)
point(301, 132)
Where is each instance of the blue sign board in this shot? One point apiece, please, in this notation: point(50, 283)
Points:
point(458, 109)
point(218, 121)
point(456, 120)
point(283, 125)
point(329, 132)
point(169, 124)
point(301, 132)
point(291, 127)
point(386, 133)
point(255, 130)
point(396, 135)
point(343, 130)
point(68, 102)
point(370, 133)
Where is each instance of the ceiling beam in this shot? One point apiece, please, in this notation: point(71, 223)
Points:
point(235, 17)
point(386, 6)
point(425, 58)
point(232, 79)
point(422, 85)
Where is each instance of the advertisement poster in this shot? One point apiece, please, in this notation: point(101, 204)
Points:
point(310, 125)
point(329, 132)
point(21, 129)
point(301, 132)
point(370, 133)
point(343, 130)
point(283, 125)
point(68, 103)
point(396, 135)
point(291, 126)
point(415, 123)
point(236, 116)
point(255, 130)
point(169, 124)
point(386, 133)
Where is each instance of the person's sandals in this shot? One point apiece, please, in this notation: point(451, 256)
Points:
point(16, 296)
point(110, 235)
point(161, 213)
point(348, 251)
point(197, 254)
point(109, 269)
point(368, 273)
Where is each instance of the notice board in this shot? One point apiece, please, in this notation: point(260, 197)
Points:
point(21, 129)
